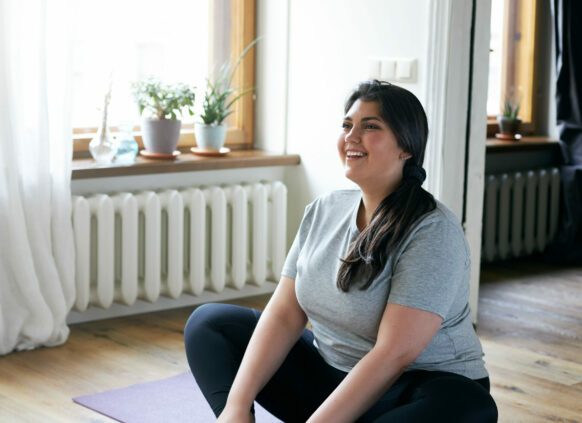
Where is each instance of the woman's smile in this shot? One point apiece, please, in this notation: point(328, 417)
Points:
point(369, 150)
point(354, 155)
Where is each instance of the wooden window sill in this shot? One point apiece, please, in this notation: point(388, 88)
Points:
point(186, 162)
point(526, 143)
point(526, 154)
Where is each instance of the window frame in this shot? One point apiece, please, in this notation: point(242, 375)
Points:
point(527, 50)
point(240, 133)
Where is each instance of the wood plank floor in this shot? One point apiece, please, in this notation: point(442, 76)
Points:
point(530, 323)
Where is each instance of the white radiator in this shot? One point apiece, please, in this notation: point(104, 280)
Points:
point(151, 247)
point(520, 215)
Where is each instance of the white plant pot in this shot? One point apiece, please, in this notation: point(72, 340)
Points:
point(210, 137)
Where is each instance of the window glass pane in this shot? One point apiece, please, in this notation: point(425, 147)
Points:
point(495, 58)
point(132, 40)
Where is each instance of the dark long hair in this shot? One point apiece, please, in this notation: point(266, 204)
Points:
point(395, 215)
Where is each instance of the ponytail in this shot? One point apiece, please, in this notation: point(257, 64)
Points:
point(397, 213)
point(390, 223)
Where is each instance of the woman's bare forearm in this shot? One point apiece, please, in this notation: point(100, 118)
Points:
point(360, 389)
point(403, 334)
point(279, 327)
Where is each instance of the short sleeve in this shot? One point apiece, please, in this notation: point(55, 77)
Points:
point(290, 266)
point(432, 268)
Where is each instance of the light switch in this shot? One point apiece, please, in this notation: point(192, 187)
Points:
point(388, 69)
point(405, 69)
point(373, 68)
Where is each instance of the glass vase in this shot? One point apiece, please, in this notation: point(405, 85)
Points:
point(126, 144)
point(103, 147)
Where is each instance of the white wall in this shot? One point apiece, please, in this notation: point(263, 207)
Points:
point(312, 54)
point(315, 52)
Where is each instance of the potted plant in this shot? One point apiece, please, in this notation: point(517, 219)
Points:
point(509, 122)
point(218, 101)
point(161, 128)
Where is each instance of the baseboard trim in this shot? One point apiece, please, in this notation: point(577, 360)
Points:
point(165, 303)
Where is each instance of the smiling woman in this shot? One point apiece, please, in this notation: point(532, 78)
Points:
point(386, 124)
point(381, 273)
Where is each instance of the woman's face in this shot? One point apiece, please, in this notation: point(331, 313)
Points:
point(369, 150)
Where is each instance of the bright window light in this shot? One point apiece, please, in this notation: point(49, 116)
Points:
point(495, 58)
point(128, 40)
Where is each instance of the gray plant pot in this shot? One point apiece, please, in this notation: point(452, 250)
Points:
point(161, 136)
point(508, 126)
point(209, 137)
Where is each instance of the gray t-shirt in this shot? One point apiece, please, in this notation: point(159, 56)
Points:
point(429, 271)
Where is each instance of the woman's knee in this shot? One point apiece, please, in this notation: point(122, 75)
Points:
point(199, 320)
point(213, 319)
point(465, 398)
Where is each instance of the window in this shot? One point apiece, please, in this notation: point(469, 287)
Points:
point(176, 41)
point(512, 61)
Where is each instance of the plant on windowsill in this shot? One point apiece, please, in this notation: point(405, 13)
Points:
point(218, 100)
point(162, 103)
point(509, 122)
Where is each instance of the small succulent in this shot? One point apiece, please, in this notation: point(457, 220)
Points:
point(511, 108)
point(163, 101)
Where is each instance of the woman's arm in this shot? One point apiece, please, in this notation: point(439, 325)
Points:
point(403, 334)
point(279, 327)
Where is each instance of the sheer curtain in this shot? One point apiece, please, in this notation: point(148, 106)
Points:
point(36, 239)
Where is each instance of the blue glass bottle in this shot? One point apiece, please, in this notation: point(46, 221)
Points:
point(127, 145)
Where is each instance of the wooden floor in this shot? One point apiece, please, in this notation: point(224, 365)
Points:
point(530, 323)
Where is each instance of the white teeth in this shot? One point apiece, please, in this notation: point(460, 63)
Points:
point(355, 154)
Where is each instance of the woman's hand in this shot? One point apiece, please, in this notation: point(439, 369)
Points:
point(233, 414)
point(403, 334)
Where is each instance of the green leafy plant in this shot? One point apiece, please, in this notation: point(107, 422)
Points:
point(163, 101)
point(218, 98)
point(511, 108)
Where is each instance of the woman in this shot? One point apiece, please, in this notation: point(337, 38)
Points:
point(382, 275)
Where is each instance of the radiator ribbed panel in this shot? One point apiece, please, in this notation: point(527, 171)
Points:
point(149, 244)
point(520, 215)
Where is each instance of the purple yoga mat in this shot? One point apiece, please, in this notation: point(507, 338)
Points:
point(176, 399)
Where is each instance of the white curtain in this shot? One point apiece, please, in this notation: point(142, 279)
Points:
point(36, 238)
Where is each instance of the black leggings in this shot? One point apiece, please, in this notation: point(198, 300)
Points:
point(217, 335)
